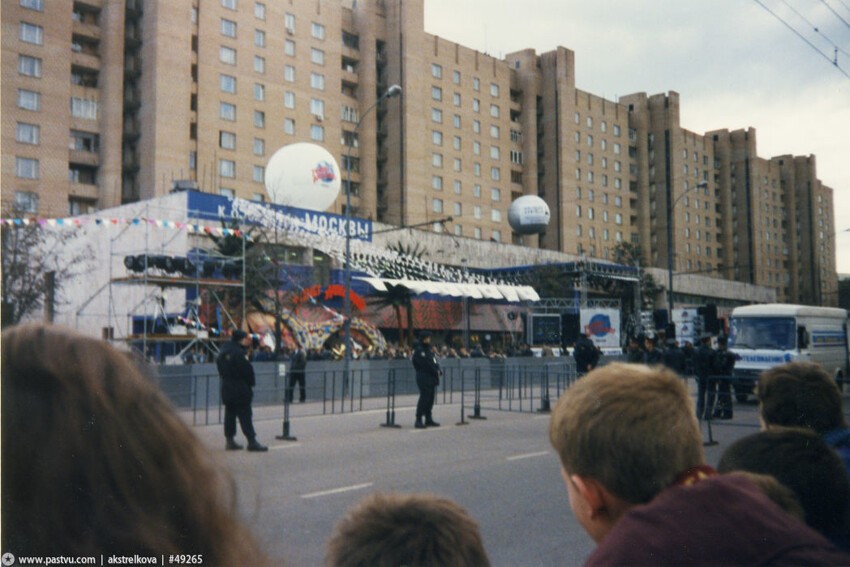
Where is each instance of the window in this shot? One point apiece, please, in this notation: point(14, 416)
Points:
point(349, 114)
point(456, 77)
point(458, 186)
point(29, 100)
point(289, 47)
point(259, 10)
point(317, 81)
point(289, 99)
point(259, 147)
point(495, 173)
point(495, 194)
point(29, 66)
point(494, 89)
point(437, 205)
point(317, 107)
point(226, 140)
point(494, 111)
point(83, 108)
point(437, 115)
point(437, 160)
point(436, 183)
point(317, 56)
point(259, 119)
point(227, 192)
point(227, 83)
point(456, 99)
point(476, 191)
point(227, 111)
point(259, 92)
point(289, 126)
point(476, 126)
point(259, 173)
point(436, 93)
point(317, 133)
point(476, 212)
point(496, 215)
point(456, 142)
point(317, 31)
point(227, 168)
point(31, 33)
point(476, 148)
point(259, 38)
point(590, 122)
point(289, 22)
point(616, 129)
point(37, 5)
point(494, 131)
point(26, 168)
point(228, 28)
point(26, 201)
point(27, 133)
point(227, 55)
point(259, 64)
point(437, 138)
point(495, 153)
point(476, 105)
point(458, 164)
point(436, 71)
point(496, 236)
point(289, 73)
point(616, 148)
point(229, 4)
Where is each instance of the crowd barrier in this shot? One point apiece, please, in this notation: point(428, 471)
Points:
point(477, 385)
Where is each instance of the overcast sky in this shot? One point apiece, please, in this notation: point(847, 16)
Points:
point(733, 64)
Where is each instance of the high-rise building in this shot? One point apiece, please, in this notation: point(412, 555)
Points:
point(113, 101)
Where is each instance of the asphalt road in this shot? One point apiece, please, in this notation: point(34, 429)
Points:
point(501, 469)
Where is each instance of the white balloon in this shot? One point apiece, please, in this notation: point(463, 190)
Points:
point(528, 214)
point(303, 175)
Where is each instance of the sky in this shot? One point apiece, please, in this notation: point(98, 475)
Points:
point(733, 63)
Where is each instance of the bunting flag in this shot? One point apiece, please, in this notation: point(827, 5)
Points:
point(78, 222)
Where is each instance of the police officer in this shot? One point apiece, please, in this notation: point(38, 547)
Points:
point(586, 354)
point(237, 383)
point(652, 355)
point(674, 357)
point(704, 365)
point(724, 364)
point(427, 379)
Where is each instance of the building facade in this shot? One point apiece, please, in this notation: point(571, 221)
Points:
point(114, 101)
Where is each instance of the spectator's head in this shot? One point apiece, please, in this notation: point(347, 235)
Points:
point(623, 433)
point(415, 530)
point(803, 462)
point(95, 460)
point(425, 337)
point(800, 394)
point(780, 494)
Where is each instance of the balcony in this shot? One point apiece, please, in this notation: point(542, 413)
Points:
point(85, 60)
point(89, 5)
point(83, 189)
point(83, 157)
point(86, 30)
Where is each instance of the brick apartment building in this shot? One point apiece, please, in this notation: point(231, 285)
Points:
point(107, 102)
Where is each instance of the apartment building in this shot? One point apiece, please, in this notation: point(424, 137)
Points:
point(113, 101)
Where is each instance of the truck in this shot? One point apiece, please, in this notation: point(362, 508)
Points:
point(763, 336)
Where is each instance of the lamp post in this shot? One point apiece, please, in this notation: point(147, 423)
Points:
point(394, 90)
point(670, 206)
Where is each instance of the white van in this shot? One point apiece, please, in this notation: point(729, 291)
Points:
point(766, 335)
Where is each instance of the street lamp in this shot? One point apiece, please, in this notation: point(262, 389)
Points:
point(394, 90)
point(670, 206)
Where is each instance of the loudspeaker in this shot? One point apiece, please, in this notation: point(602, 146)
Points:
point(710, 322)
point(660, 318)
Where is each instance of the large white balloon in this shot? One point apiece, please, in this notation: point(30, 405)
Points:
point(304, 176)
point(528, 214)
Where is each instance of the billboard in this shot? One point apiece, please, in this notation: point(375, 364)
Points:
point(602, 326)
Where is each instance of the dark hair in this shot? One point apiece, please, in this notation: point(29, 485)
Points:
point(237, 335)
point(800, 394)
point(414, 530)
point(95, 460)
point(803, 462)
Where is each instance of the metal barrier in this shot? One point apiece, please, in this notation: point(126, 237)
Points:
point(478, 385)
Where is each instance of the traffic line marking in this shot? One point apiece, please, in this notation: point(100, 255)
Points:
point(528, 456)
point(337, 490)
point(283, 446)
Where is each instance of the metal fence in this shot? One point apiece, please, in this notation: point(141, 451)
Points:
point(477, 385)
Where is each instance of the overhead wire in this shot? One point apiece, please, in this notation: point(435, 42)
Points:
point(833, 62)
point(815, 28)
point(837, 15)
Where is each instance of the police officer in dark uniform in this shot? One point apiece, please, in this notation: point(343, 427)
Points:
point(586, 355)
point(427, 379)
point(723, 366)
point(237, 383)
point(297, 372)
point(652, 355)
point(704, 365)
point(674, 357)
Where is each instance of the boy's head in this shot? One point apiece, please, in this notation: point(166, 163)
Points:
point(803, 462)
point(800, 394)
point(628, 430)
point(416, 530)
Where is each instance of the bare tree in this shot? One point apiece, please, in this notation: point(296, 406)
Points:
point(37, 262)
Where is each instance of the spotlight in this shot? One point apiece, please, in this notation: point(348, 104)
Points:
point(134, 263)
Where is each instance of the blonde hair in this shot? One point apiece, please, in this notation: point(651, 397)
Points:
point(96, 460)
point(414, 530)
point(629, 426)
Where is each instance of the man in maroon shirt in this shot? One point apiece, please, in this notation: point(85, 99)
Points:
point(632, 461)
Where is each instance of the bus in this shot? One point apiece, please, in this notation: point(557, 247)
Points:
point(763, 336)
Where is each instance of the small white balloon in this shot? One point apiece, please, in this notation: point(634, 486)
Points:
point(528, 214)
point(303, 175)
